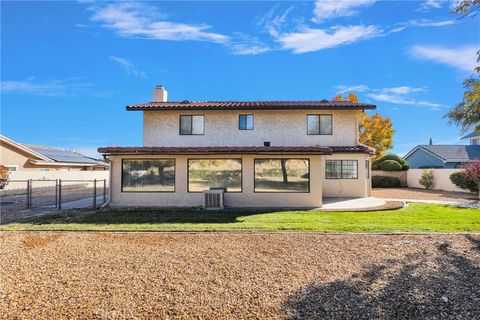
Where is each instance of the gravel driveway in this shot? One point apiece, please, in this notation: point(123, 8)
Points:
point(239, 276)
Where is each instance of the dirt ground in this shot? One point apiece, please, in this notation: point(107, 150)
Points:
point(238, 276)
point(421, 194)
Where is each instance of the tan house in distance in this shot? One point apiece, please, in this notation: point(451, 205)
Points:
point(260, 153)
point(24, 157)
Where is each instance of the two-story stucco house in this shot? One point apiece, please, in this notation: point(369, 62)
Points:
point(261, 153)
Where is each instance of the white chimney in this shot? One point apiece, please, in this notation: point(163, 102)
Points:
point(159, 94)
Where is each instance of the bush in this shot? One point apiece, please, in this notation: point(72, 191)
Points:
point(426, 179)
point(402, 164)
point(391, 165)
point(4, 176)
point(463, 182)
point(385, 182)
point(392, 156)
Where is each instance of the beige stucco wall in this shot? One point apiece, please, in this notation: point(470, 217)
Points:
point(441, 179)
point(360, 187)
point(280, 127)
point(247, 198)
point(10, 155)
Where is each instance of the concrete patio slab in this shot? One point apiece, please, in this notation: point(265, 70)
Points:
point(351, 203)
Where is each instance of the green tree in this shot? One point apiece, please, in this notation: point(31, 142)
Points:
point(467, 8)
point(466, 114)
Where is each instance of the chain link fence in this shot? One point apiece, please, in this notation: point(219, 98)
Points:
point(25, 198)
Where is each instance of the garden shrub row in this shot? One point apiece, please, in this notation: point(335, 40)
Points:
point(385, 182)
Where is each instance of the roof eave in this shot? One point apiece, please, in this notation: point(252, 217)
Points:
point(336, 108)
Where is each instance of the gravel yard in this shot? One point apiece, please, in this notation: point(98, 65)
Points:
point(238, 276)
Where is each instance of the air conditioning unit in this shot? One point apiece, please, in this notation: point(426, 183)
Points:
point(213, 199)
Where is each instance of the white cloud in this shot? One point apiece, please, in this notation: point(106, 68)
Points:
point(128, 67)
point(432, 4)
point(326, 9)
point(403, 95)
point(431, 23)
point(462, 58)
point(131, 19)
point(247, 45)
point(399, 99)
point(403, 90)
point(308, 39)
point(356, 88)
point(67, 87)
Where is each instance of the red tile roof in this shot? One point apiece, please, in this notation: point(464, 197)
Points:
point(234, 150)
point(251, 105)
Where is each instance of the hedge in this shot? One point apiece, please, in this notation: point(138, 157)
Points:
point(385, 182)
point(390, 165)
point(402, 164)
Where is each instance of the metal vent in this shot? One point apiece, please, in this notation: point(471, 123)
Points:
point(213, 199)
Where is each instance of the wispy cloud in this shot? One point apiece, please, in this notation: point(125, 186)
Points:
point(247, 45)
point(431, 23)
point(327, 9)
point(132, 19)
point(66, 87)
point(128, 67)
point(140, 20)
point(403, 95)
point(462, 58)
point(432, 4)
point(308, 39)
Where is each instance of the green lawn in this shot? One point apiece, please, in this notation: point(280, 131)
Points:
point(414, 218)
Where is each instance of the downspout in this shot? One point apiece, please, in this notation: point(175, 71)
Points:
point(109, 183)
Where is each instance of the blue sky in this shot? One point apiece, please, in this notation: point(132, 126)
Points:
point(69, 68)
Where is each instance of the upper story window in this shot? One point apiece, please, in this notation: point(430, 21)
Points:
point(245, 122)
point(319, 124)
point(192, 125)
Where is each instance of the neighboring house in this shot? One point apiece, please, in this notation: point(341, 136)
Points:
point(25, 157)
point(262, 153)
point(474, 138)
point(442, 156)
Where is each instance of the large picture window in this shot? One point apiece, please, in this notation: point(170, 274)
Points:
point(319, 124)
point(192, 125)
point(148, 175)
point(341, 169)
point(282, 175)
point(207, 174)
